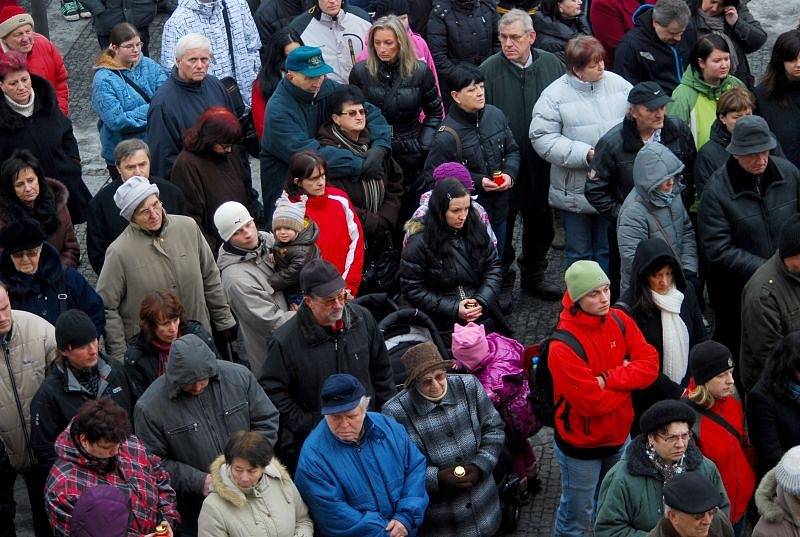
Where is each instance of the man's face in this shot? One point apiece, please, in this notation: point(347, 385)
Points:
point(193, 65)
point(83, 357)
point(515, 42)
point(686, 525)
point(195, 388)
point(670, 34)
point(330, 7)
point(5, 312)
point(137, 163)
point(327, 310)
point(754, 164)
point(649, 118)
point(21, 39)
point(306, 83)
point(597, 302)
point(347, 425)
point(246, 237)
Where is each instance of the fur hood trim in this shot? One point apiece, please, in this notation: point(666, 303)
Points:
point(223, 484)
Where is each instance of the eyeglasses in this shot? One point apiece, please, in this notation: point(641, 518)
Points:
point(153, 209)
point(354, 113)
point(673, 438)
point(701, 516)
point(438, 378)
point(30, 254)
point(132, 46)
point(331, 301)
point(514, 38)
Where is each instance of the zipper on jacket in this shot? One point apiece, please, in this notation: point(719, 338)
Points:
point(29, 449)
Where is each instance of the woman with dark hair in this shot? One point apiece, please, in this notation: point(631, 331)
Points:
point(272, 71)
point(558, 21)
point(341, 237)
point(449, 268)
point(732, 21)
point(25, 193)
point(30, 119)
point(778, 95)
point(162, 320)
point(210, 170)
point(708, 76)
point(773, 405)
point(248, 484)
point(125, 80)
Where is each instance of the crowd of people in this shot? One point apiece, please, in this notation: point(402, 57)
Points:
point(230, 373)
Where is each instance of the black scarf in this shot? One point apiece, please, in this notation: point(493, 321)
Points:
point(89, 379)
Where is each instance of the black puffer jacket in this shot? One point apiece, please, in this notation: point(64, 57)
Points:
point(272, 15)
point(773, 423)
point(461, 31)
point(487, 144)
point(739, 227)
point(611, 174)
point(552, 33)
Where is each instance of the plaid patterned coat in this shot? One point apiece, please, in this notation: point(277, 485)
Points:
point(464, 428)
point(135, 471)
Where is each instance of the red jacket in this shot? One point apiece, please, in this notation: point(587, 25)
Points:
point(611, 19)
point(258, 109)
point(341, 239)
point(598, 417)
point(45, 60)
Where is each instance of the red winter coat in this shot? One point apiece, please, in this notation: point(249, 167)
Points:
point(592, 417)
point(736, 464)
point(45, 61)
point(341, 239)
point(611, 19)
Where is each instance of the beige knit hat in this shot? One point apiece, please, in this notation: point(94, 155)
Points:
point(289, 214)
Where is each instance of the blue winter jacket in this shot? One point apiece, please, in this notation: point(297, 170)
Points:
point(121, 109)
point(356, 489)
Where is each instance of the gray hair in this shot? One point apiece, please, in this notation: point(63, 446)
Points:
point(667, 11)
point(126, 148)
point(364, 403)
point(516, 15)
point(190, 42)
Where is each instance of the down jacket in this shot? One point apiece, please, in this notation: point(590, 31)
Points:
point(28, 356)
point(631, 501)
point(610, 177)
point(108, 13)
point(272, 15)
point(206, 18)
point(568, 120)
point(45, 60)
point(122, 111)
point(780, 511)
point(272, 508)
point(783, 119)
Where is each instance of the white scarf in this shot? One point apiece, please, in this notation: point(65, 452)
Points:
point(675, 335)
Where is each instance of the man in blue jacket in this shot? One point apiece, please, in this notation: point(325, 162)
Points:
point(294, 113)
point(359, 472)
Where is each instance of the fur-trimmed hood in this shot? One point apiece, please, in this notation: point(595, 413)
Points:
point(774, 504)
point(224, 486)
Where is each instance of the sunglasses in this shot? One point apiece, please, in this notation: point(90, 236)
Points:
point(354, 113)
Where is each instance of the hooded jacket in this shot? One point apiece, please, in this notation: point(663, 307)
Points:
point(644, 214)
point(773, 423)
point(39, 293)
point(272, 508)
point(780, 511)
point(611, 20)
point(568, 119)
point(26, 358)
point(631, 500)
point(695, 102)
point(291, 257)
point(44, 60)
point(48, 135)
point(139, 262)
point(593, 420)
point(189, 431)
point(206, 18)
point(122, 111)
point(642, 56)
point(258, 307)
point(552, 33)
point(134, 471)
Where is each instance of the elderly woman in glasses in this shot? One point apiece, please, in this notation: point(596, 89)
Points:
point(631, 496)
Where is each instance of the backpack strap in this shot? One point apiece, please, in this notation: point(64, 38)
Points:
point(568, 339)
point(459, 148)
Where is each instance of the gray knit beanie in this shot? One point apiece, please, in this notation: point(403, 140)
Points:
point(131, 194)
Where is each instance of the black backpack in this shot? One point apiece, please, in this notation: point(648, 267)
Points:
point(542, 396)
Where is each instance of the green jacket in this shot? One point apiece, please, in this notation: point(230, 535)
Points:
point(695, 102)
point(631, 500)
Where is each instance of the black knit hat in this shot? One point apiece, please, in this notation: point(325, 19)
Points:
point(21, 235)
point(789, 240)
point(665, 412)
point(74, 329)
point(691, 493)
point(707, 360)
point(390, 7)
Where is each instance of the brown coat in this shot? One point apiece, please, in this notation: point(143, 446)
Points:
point(63, 238)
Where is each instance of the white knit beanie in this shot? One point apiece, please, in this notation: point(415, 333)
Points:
point(787, 472)
point(289, 214)
point(132, 193)
point(229, 218)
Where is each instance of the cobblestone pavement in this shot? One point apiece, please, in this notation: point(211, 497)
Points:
point(532, 319)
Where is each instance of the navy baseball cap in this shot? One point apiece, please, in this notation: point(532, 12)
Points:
point(649, 94)
point(307, 61)
point(340, 393)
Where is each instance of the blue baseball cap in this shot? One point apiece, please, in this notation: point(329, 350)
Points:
point(307, 61)
point(340, 393)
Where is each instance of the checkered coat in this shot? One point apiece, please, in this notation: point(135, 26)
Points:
point(464, 428)
point(135, 471)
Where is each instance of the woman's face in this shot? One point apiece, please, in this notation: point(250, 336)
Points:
point(26, 186)
point(17, 86)
point(716, 67)
point(570, 9)
point(457, 212)
point(792, 68)
point(671, 445)
point(721, 386)
point(244, 474)
point(21, 39)
point(167, 331)
point(27, 261)
point(314, 185)
point(661, 281)
point(352, 119)
point(592, 72)
point(128, 52)
point(150, 214)
point(386, 45)
point(712, 8)
point(730, 119)
point(433, 384)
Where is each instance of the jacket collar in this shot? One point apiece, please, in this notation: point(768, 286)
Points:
point(584, 87)
point(743, 183)
point(71, 384)
point(372, 433)
point(638, 464)
point(785, 272)
point(313, 333)
point(462, 116)
point(720, 133)
point(45, 102)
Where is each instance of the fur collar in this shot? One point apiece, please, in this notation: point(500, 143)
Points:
point(774, 504)
point(638, 464)
point(274, 473)
point(108, 61)
point(44, 103)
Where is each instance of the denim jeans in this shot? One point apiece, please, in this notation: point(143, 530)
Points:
point(580, 485)
point(586, 237)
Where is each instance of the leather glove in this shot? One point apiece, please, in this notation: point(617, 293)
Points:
point(471, 478)
point(230, 334)
point(373, 164)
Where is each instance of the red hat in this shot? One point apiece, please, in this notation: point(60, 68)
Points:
point(11, 18)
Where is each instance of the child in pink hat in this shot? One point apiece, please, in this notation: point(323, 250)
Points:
point(497, 363)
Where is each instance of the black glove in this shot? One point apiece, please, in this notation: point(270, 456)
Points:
point(373, 164)
point(448, 482)
point(230, 334)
